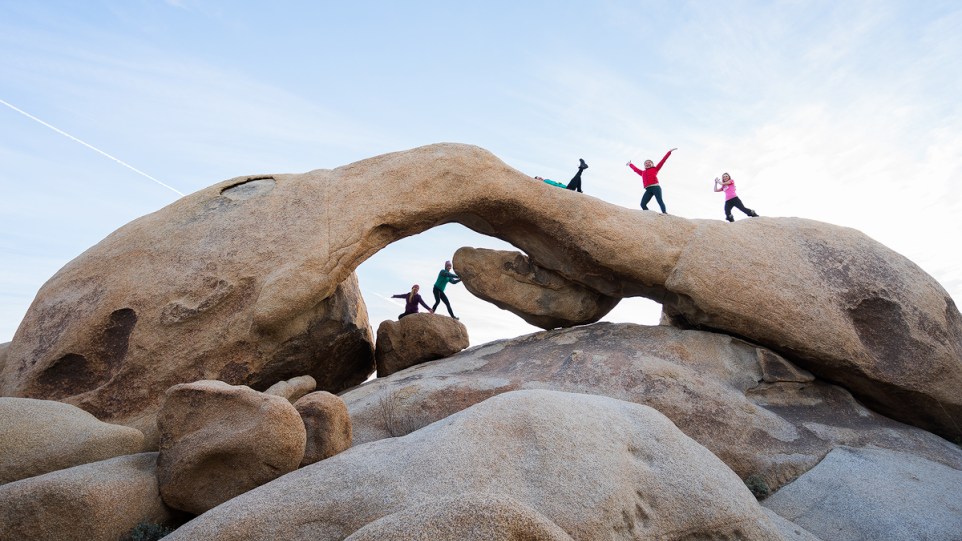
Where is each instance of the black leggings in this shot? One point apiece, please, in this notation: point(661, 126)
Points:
point(440, 296)
point(574, 183)
point(656, 192)
point(736, 203)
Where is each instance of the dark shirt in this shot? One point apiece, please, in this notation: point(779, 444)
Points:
point(411, 306)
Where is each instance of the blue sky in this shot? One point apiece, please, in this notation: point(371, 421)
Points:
point(844, 112)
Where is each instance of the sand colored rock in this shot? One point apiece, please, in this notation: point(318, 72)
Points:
point(874, 494)
point(469, 517)
point(747, 405)
point(596, 467)
point(539, 296)
point(254, 258)
point(416, 339)
point(293, 389)
point(100, 501)
point(328, 425)
point(219, 441)
point(41, 436)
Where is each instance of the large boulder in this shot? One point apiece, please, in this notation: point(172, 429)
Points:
point(101, 501)
point(112, 340)
point(874, 494)
point(4, 347)
point(598, 468)
point(40, 436)
point(416, 339)
point(328, 425)
point(231, 282)
point(466, 517)
point(539, 296)
point(219, 441)
point(756, 411)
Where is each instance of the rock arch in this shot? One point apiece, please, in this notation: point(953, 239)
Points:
point(284, 252)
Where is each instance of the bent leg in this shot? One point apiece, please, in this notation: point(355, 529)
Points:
point(728, 210)
point(646, 198)
point(437, 297)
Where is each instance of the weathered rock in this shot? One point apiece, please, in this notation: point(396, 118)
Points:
point(293, 389)
point(40, 436)
point(328, 425)
point(248, 262)
point(179, 308)
point(4, 347)
point(92, 502)
point(598, 468)
point(539, 296)
point(219, 441)
point(874, 494)
point(750, 407)
point(788, 529)
point(416, 339)
point(467, 517)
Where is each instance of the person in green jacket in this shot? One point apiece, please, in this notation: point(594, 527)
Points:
point(444, 277)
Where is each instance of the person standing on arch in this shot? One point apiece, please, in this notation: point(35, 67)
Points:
point(727, 185)
point(649, 176)
point(444, 277)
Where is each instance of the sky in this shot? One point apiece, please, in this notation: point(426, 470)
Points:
point(842, 112)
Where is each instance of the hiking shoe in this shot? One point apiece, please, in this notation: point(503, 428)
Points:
point(729, 217)
point(583, 164)
point(753, 214)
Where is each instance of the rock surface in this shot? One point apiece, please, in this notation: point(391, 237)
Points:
point(468, 517)
point(539, 296)
point(170, 298)
point(219, 441)
point(328, 425)
point(41, 436)
point(293, 389)
point(416, 339)
point(750, 407)
point(874, 494)
point(598, 468)
point(846, 307)
point(101, 501)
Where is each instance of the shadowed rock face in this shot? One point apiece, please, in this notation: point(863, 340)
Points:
point(255, 264)
point(539, 296)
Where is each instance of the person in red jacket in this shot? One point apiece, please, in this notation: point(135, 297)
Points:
point(649, 176)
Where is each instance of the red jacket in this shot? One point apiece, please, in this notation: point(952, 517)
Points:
point(650, 176)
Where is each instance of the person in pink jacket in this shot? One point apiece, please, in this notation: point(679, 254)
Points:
point(732, 200)
point(649, 176)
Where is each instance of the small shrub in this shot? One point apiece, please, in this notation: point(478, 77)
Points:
point(759, 487)
point(146, 531)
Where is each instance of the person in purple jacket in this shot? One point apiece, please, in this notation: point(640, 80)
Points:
point(411, 301)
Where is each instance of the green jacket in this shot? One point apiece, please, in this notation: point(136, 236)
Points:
point(444, 277)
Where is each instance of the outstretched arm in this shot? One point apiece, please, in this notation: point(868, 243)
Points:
point(400, 296)
point(662, 162)
point(428, 308)
point(633, 168)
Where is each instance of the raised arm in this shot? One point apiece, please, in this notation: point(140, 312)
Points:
point(635, 169)
point(662, 162)
point(718, 185)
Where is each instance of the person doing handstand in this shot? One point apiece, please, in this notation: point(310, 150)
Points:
point(575, 182)
point(444, 277)
point(727, 185)
point(412, 300)
point(649, 176)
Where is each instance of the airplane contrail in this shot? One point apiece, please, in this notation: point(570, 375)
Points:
point(91, 147)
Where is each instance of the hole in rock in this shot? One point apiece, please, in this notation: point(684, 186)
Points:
point(419, 258)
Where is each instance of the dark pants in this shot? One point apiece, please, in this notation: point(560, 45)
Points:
point(439, 296)
point(735, 202)
point(575, 182)
point(653, 191)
